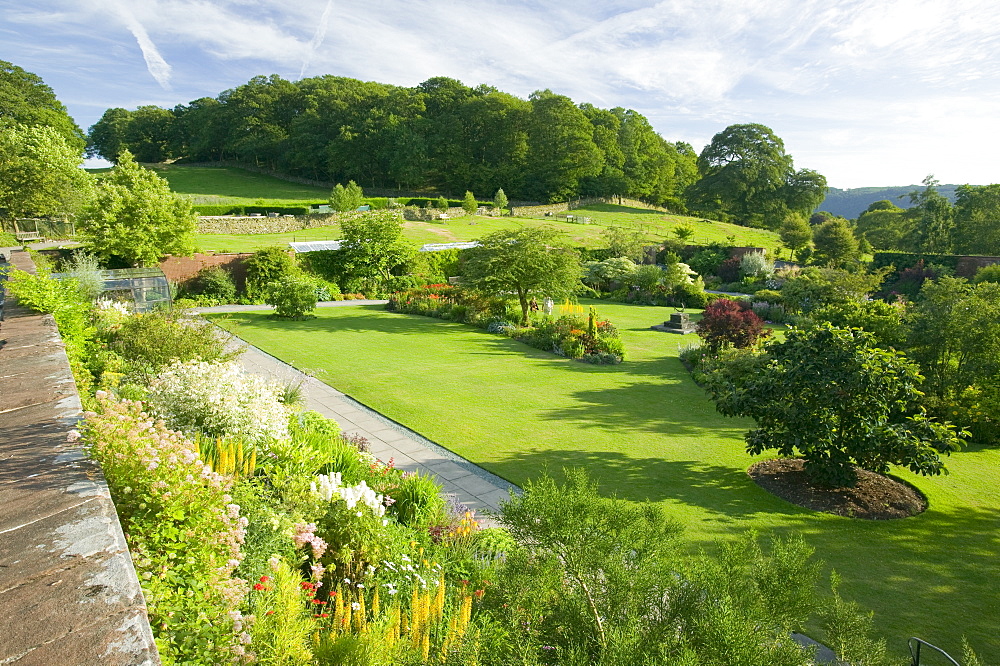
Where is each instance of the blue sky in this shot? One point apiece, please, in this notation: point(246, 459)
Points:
point(866, 92)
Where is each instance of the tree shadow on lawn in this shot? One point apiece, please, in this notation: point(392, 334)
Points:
point(340, 323)
point(933, 570)
point(720, 490)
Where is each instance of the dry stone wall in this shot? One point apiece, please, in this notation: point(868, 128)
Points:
point(226, 224)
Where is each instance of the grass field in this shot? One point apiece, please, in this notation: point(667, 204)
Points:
point(224, 185)
point(647, 432)
point(655, 225)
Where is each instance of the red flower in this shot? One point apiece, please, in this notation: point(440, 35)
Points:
point(258, 586)
point(264, 579)
point(317, 601)
point(479, 594)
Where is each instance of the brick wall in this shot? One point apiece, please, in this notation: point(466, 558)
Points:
point(180, 269)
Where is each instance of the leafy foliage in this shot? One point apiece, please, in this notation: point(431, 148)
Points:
point(835, 398)
point(727, 323)
point(136, 217)
point(529, 262)
point(348, 198)
point(40, 171)
point(293, 297)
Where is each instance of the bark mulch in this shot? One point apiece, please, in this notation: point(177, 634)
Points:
point(876, 497)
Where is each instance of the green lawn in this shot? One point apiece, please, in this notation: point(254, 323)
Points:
point(647, 432)
point(655, 225)
point(211, 185)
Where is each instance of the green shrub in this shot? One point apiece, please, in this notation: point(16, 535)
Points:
point(9, 240)
point(150, 342)
point(213, 282)
point(267, 266)
point(989, 273)
point(292, 297)
point(417, 500)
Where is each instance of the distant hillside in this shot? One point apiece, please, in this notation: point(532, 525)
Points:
point(851, 203)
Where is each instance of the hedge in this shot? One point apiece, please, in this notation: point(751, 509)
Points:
point(904, 260)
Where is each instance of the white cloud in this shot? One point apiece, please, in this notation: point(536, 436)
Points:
point(157, 66)
point(857, 88)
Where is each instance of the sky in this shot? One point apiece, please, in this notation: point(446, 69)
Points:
point(867, 92)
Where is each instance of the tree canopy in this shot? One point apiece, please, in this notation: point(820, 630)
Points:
point(834, 397)
point(26, 100)
point(746, 173)
point(40, 171)
point(440, 134)
point(135, 217)
point(526, 262)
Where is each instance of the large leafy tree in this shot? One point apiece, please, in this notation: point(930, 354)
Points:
point(977, 220)
point(885, 225)
point(746, 173)
point(835, 242)
point(561, 148)
point(134, 216)
point(742, 171)
point(529, 263)
point(372, 244)
point(835, 398)
point(26, 100)
point(40, 172)
point(933, 218)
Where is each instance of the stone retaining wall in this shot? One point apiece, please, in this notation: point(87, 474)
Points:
point(68, 591)
point(229, 224)
point(534, 211)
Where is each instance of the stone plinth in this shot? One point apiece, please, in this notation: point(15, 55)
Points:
point(679, 323)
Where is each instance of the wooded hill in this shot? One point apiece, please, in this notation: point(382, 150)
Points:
point(439, 135)
point(850, 203)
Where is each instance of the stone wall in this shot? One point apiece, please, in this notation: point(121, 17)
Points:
point(431, 214)
point(69, 594)
point(536, 211)
point(967, 266)
point(228, 224)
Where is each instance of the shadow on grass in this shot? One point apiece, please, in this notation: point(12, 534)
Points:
point(714, 488)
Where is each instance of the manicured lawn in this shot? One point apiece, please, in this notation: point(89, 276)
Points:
point(236, 186)
point(655, 226)
point(647, 432)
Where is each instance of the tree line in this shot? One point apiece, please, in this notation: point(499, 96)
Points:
point(443, 135)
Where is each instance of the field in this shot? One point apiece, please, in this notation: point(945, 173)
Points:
point(645, 431)
point(223, 185)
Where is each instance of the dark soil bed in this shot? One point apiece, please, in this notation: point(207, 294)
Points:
point(876, 497)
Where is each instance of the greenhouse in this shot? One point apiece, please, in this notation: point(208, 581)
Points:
point(144, 288)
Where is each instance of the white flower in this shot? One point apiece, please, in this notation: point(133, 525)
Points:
point(355, 605)
point(219, 399)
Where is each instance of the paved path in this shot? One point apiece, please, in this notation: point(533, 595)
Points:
point(461, 481)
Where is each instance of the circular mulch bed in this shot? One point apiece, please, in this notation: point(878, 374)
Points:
point(876, 497)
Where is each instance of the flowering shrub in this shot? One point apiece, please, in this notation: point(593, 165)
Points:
point(183, 530)
point(219, 399)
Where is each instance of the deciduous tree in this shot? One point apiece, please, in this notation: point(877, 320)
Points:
point(526, 262)
point(40, 172)
point(835, 398)
point(136, 217)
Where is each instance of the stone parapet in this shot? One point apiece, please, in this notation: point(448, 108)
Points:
point(68, 591)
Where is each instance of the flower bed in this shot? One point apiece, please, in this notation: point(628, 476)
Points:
point(572, 335)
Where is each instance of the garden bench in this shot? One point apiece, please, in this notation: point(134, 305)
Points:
point(24, 236)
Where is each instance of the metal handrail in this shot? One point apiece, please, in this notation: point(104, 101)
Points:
point(916, 655)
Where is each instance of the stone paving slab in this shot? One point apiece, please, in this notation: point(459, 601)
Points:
point(68, 591)
point(462, 480)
